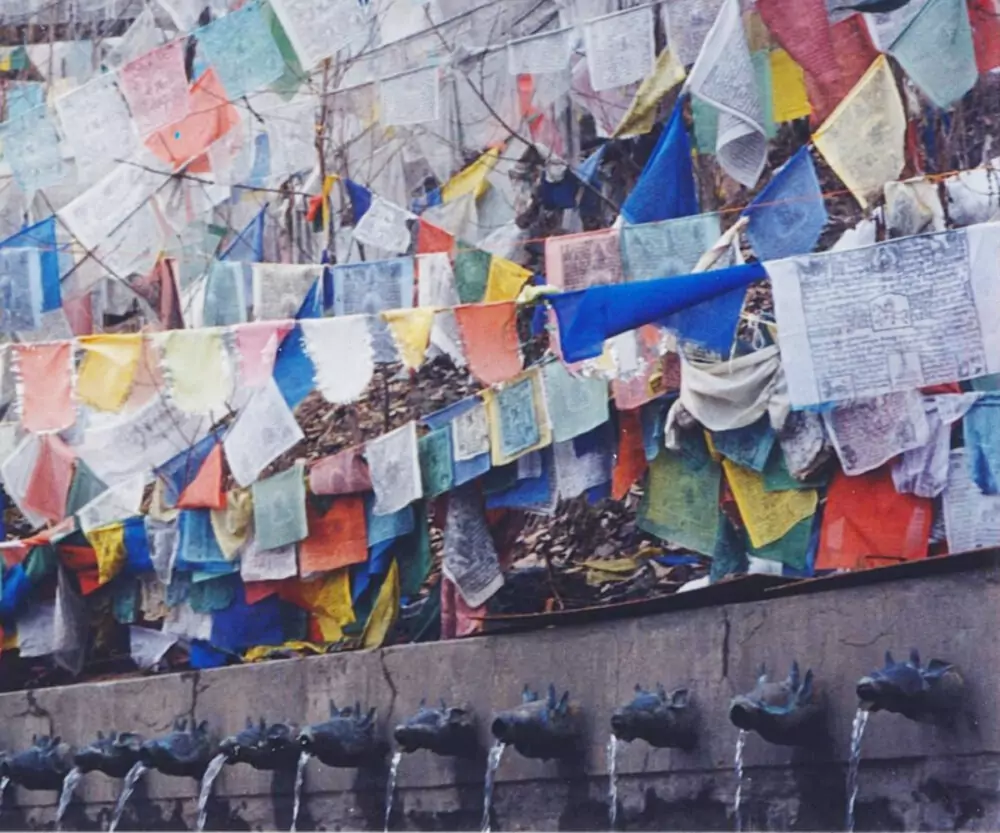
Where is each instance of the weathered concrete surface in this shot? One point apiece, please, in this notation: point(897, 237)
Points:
point(912, 776)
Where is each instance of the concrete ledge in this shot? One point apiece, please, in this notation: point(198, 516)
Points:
point(912, 775)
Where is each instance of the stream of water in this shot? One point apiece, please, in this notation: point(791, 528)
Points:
point(857, 732)
point(3, 788)
point(492, 765)
point(207, 780)
point(612, 781)
point(390, 786)
point(741, 741)
point(131, 779)
point(300, 777)
point(66, 796)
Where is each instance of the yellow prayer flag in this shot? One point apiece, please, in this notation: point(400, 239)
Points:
point(261, 652)
point(641, 116)
point(107, 370)
point(109, 547)
point(788, 88)
point(328, 183)
point(863, 139)
point(767, 515)
point(197, 369)
point(384, 612)
point(471, 180)
point(512, 394)
point(232, 524)
point(504, 281)
point(330, 597)
point(411, 330)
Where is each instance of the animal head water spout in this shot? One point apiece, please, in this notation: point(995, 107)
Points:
point(444, 731)
point(42, 767)
point(182, 752)
point(662, 720)
point(347, 739)
point(263, 746)
point(789, 712)
point(548, 728)
point(927, 695)
point(113, 754)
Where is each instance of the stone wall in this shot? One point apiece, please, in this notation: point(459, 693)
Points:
point(912, 776)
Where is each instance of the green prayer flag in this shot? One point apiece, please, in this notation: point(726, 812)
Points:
point(472, 271)
point(84, 487)
point(279, 509)
point(436, 469)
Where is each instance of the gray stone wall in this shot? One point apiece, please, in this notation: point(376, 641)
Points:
point(912, 776)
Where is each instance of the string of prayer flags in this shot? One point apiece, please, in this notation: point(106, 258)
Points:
point(666, 187)
point(681, 501)
point(241, 49)
point(862, 140)
point(107, 369)
point(588, 317)
point(789, 98)
point(232, 523)
point(723, 76)
point(490, 340)
point(575, 404)
point(788, 216)
point(411, 333)
point(197, 368)
point(327, 341)
point(264, 430)
point(45, 385)
point(866, 522)
point(620, 48)
point(279, 509)
point(768, 516)
point(641, 116)
point(518, 419)
point(31, 148)
point(155, 87)
point(937, 53)
point(472, 270)
point(337, 534)
point(505, 280)
point(470, 557)
point(394, 463)
point(985, 33)
point(49, 483)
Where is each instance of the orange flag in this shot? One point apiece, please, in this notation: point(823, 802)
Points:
point(205, 491)
point(489, 336)
point(337, 537)
point(431, 239)
point(630, 463)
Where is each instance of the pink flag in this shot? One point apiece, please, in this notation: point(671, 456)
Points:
point(46, 385)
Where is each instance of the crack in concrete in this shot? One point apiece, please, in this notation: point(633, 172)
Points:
point(727, 628)
point(388, 681)
point(35, 710)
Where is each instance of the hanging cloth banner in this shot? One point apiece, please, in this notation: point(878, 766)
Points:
point(588, 317)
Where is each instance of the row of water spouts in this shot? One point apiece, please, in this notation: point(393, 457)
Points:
point(790, 712)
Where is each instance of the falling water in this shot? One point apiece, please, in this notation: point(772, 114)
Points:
point(857, 732)
point(492, 765)
point(390, 787)
point(131, 779)
point(3, 788)
point(741, 741)
point(612, 781)
point(211, 773)
point(68, 788)
point(300, 777)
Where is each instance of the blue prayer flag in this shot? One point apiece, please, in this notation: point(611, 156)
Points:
point(789, 215)
point(42, 236)
point(666, 187)
point(249, 243)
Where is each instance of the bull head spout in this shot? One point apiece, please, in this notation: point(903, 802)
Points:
point(931, 694)
point(549, 728)
point(263, 746)
point(113, 754)
point(789, 712)
point(182, 752)
point(448, 730)
point(662, 720)
point(347, 739)
point(42, 767)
